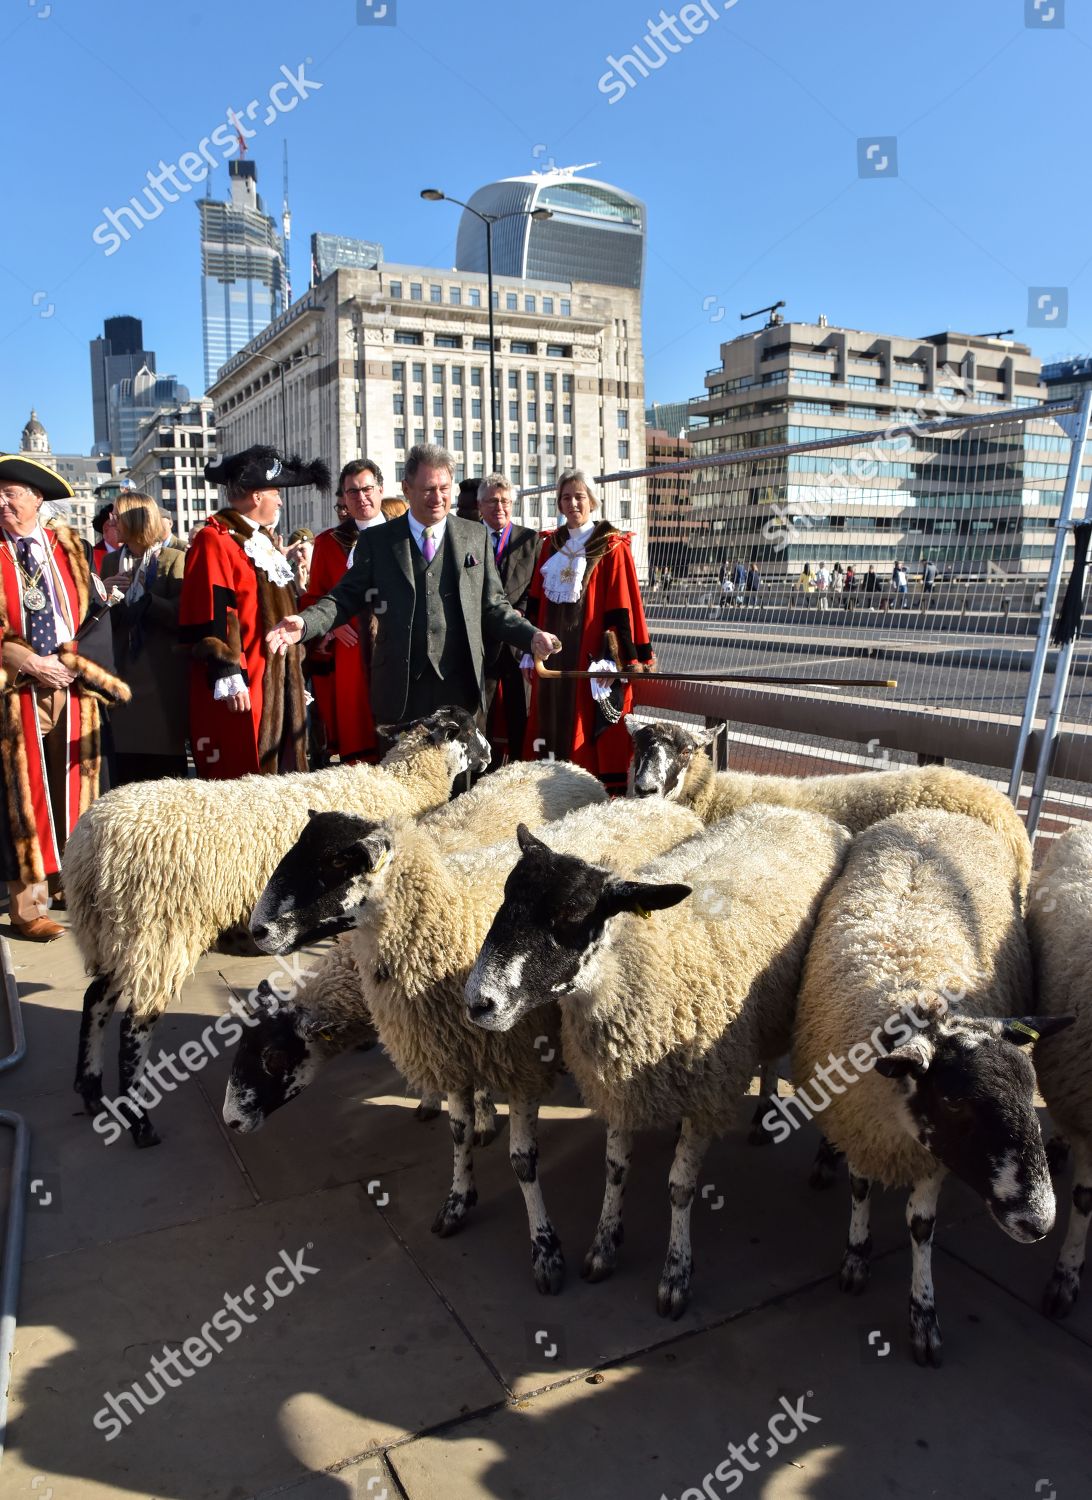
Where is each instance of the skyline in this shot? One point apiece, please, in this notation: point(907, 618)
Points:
point(744, 138)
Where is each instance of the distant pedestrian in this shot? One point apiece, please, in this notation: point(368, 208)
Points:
point(871, 584)
point(928, 579)
point(727, 592)
point(739, 575)
point(899, 585)
point(837, 578)
point(822, 586)
point(754, 583)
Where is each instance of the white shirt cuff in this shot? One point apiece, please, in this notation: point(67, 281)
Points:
point(527, 662)
point(228, 687)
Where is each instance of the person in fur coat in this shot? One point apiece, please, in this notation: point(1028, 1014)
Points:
point(49, 704)
point(247, 704)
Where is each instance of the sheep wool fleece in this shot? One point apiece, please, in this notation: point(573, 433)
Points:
point(924, 912)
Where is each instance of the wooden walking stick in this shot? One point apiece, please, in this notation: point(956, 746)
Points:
point(631, 673)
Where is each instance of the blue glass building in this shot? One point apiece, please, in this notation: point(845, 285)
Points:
point(243, 280)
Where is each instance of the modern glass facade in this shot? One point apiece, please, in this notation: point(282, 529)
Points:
point(333, 252)
point(118, 355)
point(243, 282)
point(596, 232)
point(135, 399)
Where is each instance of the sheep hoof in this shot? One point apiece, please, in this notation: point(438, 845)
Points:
point(1057, 1154)
point(673, 1293)
point(1062, 1291)
point(90, 1091)
point(757, 1134)
point(144, 1133)
point(602, 1256)
point(548, 1266)
point(426, 1111)
point(452, 1215)
point(853, 1277)
point(925, 1334)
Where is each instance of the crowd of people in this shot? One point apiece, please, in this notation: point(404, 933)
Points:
point(241, 653)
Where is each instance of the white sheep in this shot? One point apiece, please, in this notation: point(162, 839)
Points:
point(419, 916)
point(1058, 913)
point(661, 1019)
point(914, 993)
point(155, 872)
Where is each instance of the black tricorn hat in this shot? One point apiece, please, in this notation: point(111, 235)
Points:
point(261, 468)
point(18, 469)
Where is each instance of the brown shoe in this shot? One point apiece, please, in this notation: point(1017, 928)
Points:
point(38, 929)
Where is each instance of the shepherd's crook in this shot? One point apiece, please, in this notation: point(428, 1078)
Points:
point(741, 677)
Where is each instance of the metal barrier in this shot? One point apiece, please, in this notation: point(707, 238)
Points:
point(929, 551)
point(17, 1188)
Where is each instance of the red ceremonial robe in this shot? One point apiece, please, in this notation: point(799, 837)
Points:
point(611, 601)
point(340, 678)
point(227, 606)
point(34, 841)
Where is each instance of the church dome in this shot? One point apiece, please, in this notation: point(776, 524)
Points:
point(35, 438)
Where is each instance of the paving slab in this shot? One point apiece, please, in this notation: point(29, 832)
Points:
point(356, 1356)
point(991, 1425)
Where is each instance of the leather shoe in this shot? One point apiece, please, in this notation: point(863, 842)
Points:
point(38, 929)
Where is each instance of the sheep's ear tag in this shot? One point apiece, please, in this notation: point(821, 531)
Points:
point(1027, 1030)
point(639, 911)
point(327, 1036)
point(381, 861)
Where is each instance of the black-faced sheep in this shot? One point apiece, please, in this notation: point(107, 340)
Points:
point(661, 1019)
point(155, 872)
point(914, 992)
point(418, 917)
point(1059, 908)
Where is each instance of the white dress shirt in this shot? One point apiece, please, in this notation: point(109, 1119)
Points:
point(417, 531)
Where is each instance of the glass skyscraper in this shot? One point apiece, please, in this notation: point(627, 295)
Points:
point(118, 355)
point(596, 232)
point(243, 281)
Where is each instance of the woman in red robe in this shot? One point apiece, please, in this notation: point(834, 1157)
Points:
point(585, 592)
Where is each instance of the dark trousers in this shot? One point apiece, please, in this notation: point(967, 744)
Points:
point(130, 766)
point(507, 721)
point(430, 691)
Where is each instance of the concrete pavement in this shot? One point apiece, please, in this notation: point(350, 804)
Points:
point(400, 1364)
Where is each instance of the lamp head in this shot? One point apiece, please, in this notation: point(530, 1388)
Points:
point(542, 213)
point(432, 195)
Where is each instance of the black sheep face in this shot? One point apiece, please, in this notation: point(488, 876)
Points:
point(552, 926)
point(662, 750)
point(276, 1059)
point(321, 884)
point(449, 726)
point(968, 1092)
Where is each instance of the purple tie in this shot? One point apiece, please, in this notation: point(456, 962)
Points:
point(429, 548)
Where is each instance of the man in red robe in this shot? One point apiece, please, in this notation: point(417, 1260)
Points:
point(49, 709)
point(339, 663)
point(247, 705)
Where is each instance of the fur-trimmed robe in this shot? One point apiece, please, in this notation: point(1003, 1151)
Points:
point(227, 606)
point(340, 674)
point(31, 843)
point(611, 600)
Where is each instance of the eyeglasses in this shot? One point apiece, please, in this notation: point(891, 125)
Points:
point(360, 489)
point(13, 492)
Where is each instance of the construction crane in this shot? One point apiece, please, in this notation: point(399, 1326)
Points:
point(775, 318)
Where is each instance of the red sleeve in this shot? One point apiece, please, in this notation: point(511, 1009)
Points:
point(208, 611)
point(625, 613)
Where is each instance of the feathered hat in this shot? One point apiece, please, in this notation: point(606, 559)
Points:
point(261, 468)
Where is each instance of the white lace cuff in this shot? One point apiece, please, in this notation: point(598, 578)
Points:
point(527, 662)
point(601, 686)
point(228, 687)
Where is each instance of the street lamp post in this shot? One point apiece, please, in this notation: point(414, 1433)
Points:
point(434, 195)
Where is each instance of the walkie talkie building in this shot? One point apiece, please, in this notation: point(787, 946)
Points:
point(596, 232)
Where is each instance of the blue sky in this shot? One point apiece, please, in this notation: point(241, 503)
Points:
point(743, 144)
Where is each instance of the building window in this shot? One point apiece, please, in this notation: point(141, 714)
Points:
point(418, 373)
point(513, 411)
point(559, 351)
point(476, 407)
point(568, 446)
point(531, 380)
point(457, 407)
point(448, 341)
point(437, 406)
point(548, 306)
point(522, 346)
point(399, 404)
point(532, 411)
point(481, 345)
point(404, 336)
point(478, 442)
point(418, 406)
point(457, 440)
point(435, 293)
point(513, 442)
point(437, 374)
point(550, 410)
point(528, 304)
point(549, 380)
point(623, 420)
point(551, 443)
point(455, 295)
point(476, 376)
point(567, 415)
point(623, 448)
point(398, 370)
point(438, 436)
point(474, 296)
point(532, 443)
point(566, 308)
point(566, 383)
point(399, 437)
point(396, 289)
point(456, 374)
point(513, 380)
point(511, 302)
point(415, 291)
point(418, 434)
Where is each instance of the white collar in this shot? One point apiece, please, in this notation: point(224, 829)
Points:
point(580, 533)
point(375, 521)
point(247, 522)
point(37, 535)
point(417, 531)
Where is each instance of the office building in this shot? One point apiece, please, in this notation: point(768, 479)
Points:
point(168, 462)
point(134, 400)
point(964, 501)
point(672, 528)
point(1068, 379)
point(595, 232)
point(372, 362)
point(243, 280)
point(336, 252)
point(83, 473)
point(117, 355)
point(668, 416)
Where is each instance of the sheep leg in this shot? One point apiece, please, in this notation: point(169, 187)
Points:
point(98, 1007)
point(136, 1041)
point(486, 1120)
point(431, 1105)
point(1065, 1283)
point(858, 1251)
point(824, 1169)
point(603, 1252)
point(757, 1134)
point(463, 1194)
point(673, 1292)
point(921, 1218)
point(547, 1261)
